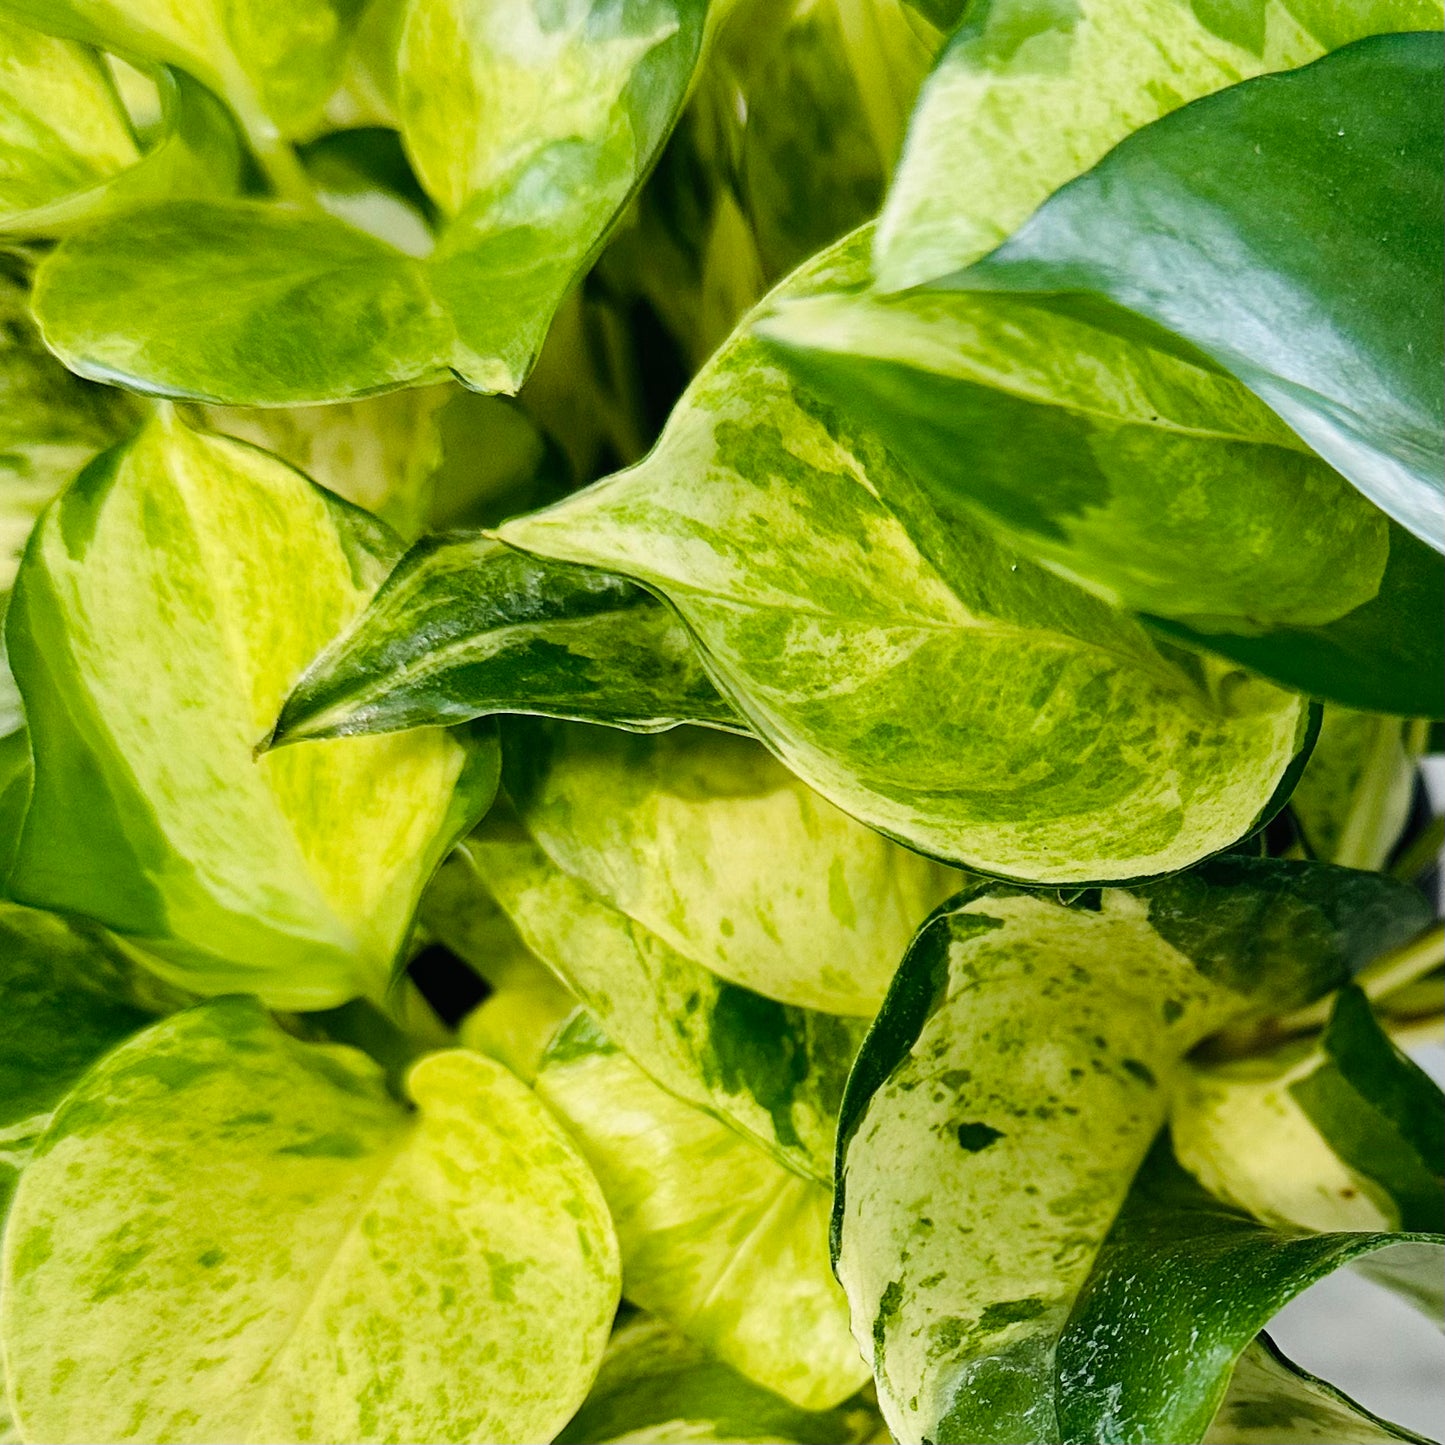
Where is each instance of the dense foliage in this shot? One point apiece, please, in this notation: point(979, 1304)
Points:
point(711, 714)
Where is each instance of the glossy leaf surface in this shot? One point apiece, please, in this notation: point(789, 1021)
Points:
point(1207, 223)
point(528, 126)
point(657, 1385)
point(1346, 1134)
point(920, 677)
point(219, 1213)
point(717, 1237)
point(970, 1200)
point(1181, 1286)
point(772, 1071)
point(1271, 1401)
point(712, 846)
point(465, 627)
point(1149, 479)
point(1025, 98)
point(169, 601)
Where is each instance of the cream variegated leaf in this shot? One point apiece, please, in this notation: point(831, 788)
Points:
point(455, 1256)
point(169, 600)
point(717, 1237)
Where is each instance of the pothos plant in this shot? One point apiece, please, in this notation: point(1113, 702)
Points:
point(715, 714)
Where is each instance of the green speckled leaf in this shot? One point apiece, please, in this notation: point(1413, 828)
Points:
point(1271, 1401)
point(528, 125)
point(712, 846)
point(1027, 96)
point(465, 627)
point(656, 1387)
point(1343, 1133)
point(226, 1234)
point(920, 676)
point(1012, 1084)
point(773, 1071)
point(1353, 798)
point(168, 602)
point(1180, 1288)
point(1148, 478)
point(1209, 223)
point(717, 1238)
point(66, 997)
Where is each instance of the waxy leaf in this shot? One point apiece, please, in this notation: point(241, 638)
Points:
point(771, 1070)
point(717, 1238)
point(1346, 1133)
point(529, 127)
point(919, 676)
point(1271, 1401)
point(465, 627)
point(1208, 223)
point(1353, 799)
point(971, 1199)
point(712, 846)
point(226, 1234)
point(162, 612)
point(1025, 98)
point(656, 1385)
point(1179, 1289)
point(1146, 477)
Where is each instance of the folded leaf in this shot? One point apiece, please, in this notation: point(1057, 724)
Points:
point(1271, 1401)
point(773, 1071)
point(1012, 1084)
point(920, 677)
point(465, 627)
point(1345, 1134)
point(717, 1238)
point(712, 846)
point(1209, 223)
point(1353, 799)
point(219, 1214)
point(1025, 98)
point(1144, 476)
point(528, 128)
point(658, 1386)
point(1181, 1286)
point(168, 602)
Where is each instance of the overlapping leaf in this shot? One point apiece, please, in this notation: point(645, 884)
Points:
point(169, 600)
point(971, 1199)
point(458, 1257)
point(1144, 476)
point(1207, 223)
point(771, 1070)
point(920, 676)
point(465, 627)
point(717, 1237)
point(529, 128)
point(713, 847)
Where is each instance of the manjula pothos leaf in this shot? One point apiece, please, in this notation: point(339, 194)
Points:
point(1206, 223)
point(717, 1237)
point(529, 126)
point(226, 1234)
point(971, 1198)
point(917, 673)
point(1141, 474)
point(166, 603)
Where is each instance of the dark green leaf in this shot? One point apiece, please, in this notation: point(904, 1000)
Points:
point(465, 627)
point(1214, 223)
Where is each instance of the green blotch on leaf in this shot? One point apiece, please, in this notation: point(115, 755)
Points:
point(976, 1136)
